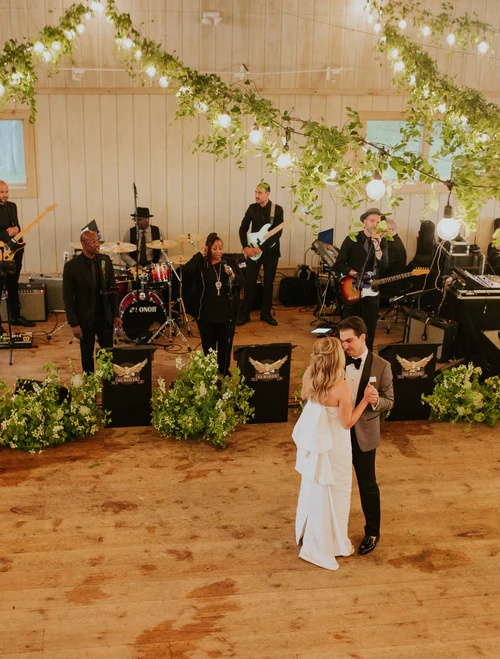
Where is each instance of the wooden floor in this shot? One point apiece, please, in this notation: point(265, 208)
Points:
point(130, 546)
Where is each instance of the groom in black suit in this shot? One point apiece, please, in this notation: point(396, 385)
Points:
point(90, 300)
point(363, 368)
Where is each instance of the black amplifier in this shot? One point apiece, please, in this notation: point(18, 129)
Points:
point(435, 330)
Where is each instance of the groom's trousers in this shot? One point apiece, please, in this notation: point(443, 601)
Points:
point(364, 466)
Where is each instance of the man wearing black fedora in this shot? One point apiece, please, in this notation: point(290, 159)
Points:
point(147, 233)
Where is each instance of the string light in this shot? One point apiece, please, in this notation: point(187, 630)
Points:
point(448, 227)
point(483, 48)
point(394, 53)
point(151, 71)
point(451, 39)
point(284, 160)
point(39, 47)
point(375, 189)
point(69, 34)
point(399, 66)
point(138, 54)
point(98, 7)
point(412, 79)
point(163, 81)
point(377, 27)
point(224, 120)
point(128, 43)
point(56, 46)
point(47, 56)
point(80, 28)
point(255, 136)
point(402, 24)
point(88, 15)
point(426, 30)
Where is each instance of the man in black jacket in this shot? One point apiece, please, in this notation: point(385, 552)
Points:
point(9, 227)
point(368, 253)
point(90, 300)
point(257, 215)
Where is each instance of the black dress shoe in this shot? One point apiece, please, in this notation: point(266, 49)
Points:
point(269, 320)
point(22, 321)
point(368, 544)
point(243, 320)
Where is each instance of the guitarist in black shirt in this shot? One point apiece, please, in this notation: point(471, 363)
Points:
point(9, 228)
point(257, 215)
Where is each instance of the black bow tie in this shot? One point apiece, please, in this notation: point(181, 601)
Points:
point(356, 362)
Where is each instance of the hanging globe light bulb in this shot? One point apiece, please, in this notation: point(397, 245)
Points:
point(56, 46)
point(255, 136)
point(39, 47)
point(426, 30)
point(376, 28)
point(284, 160)
point(151, 71)
point(224, 120)
point(80, 28)
point(483, 48)
point(412, 80)
point(47, 56)
point(138, 54)
point(375, 189)
point(128, 43)
point(450, 39)
point(163, 82)
point(2, 90)
point(399, 66)
point(448, 228)
point(402, 24)
point(88, 15)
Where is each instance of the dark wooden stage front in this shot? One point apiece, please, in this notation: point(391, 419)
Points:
point(129, 546)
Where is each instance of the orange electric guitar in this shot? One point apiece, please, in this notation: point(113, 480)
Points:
point(13, 245)
point(349, 285)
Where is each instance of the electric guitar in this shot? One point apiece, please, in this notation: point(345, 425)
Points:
point(258, 238)
point(349, 284)
point(14, 244)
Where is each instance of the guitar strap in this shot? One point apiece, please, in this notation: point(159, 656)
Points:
point(273, 210)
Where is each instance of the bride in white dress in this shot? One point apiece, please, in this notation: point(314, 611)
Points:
point(324, 456)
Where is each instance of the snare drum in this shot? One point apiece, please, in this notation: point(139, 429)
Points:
point(123, 283)
point(142, 313)
point(159, 273)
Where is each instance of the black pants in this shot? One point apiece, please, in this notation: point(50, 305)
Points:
point(270, 263)
point(367, 309)
point(364, 466)
point(11, 283)
point(104, 333)
point(219, 337)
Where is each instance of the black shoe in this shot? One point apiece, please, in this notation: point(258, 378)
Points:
point(368, 544)
point(269, 320)
point(243, 320)
point(22, 321)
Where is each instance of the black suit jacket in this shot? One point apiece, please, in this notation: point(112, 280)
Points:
point(8, 218)
point(79, 294)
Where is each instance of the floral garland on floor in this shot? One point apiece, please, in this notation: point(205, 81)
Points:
point(460, 396)
point(199, 404)
point(315, 155)
point(36, 415)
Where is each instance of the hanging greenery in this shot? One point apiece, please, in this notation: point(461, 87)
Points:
point(315, 156)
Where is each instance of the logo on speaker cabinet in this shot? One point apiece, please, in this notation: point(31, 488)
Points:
point(125, 374)
point(413, 368)
point(267, 370)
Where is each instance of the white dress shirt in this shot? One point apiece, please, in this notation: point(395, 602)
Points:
point(353, 376)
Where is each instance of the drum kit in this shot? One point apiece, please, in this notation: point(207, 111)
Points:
point(142, 291)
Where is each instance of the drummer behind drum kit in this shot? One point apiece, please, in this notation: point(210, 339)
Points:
point(140, 292)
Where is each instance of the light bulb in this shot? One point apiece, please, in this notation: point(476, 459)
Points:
point(163, 81)
point(255, 136)
point(402, 24)
point(331, 178)
point(109, 19)
point(2, 90)
point(394, 53)
point(88, 15)
point(201, 106)
point(377, 27)
point(448, 228)
point(412, 79)
point(442, 108)
point(285, 160)
point(80, 28)
point(14, 80)
point(128, 43)
point(224, 120)
point(483, 47)
point(56, 46)
point(69, 34)
point(450, 39)
point(370, 19)
point(39, 47)
point(399, 66)
point(426, 30)
point(151, 71)
point(375, 189)
point(47, 56)
point(98, 7)
point(138, 54)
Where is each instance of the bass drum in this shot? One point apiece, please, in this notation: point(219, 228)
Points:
point(142, 314)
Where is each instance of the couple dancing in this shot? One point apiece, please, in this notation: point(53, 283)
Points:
point(339, 426)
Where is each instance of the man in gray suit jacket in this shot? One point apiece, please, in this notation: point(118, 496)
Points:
point(362, 368)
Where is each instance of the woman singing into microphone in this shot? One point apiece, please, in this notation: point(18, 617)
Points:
point(214, 298)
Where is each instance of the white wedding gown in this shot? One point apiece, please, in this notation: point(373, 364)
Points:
point(324, 461)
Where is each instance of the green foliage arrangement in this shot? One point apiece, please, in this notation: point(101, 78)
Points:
point(199, 405)
point(44, 414)
point(313, 155)
point(460, 396)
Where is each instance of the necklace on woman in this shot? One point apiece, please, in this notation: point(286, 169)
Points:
point(218, 283)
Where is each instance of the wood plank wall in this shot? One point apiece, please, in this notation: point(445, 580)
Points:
point(92, 145)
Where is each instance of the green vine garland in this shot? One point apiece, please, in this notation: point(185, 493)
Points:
point(314, 155)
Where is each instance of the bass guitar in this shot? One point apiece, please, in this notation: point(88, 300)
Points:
point(258, 238)
point(13, 245)
point(349, 284)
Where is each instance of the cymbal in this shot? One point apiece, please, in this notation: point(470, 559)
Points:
point(186, 237)
point(181, 260)
point(117, 248)
point(161, 244)
point(75, 245)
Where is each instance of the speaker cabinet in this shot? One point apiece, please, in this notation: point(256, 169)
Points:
point(53, 286)
point(33, 303)
point(488, 357)
point(435, 331)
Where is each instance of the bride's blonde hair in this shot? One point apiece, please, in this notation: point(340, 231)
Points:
point(326, 367)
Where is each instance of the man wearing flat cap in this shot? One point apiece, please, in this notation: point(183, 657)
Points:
point(147, 233)
point(367, 254)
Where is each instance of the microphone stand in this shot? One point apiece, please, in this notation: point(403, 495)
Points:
point(4, 271)
point(230, 321)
